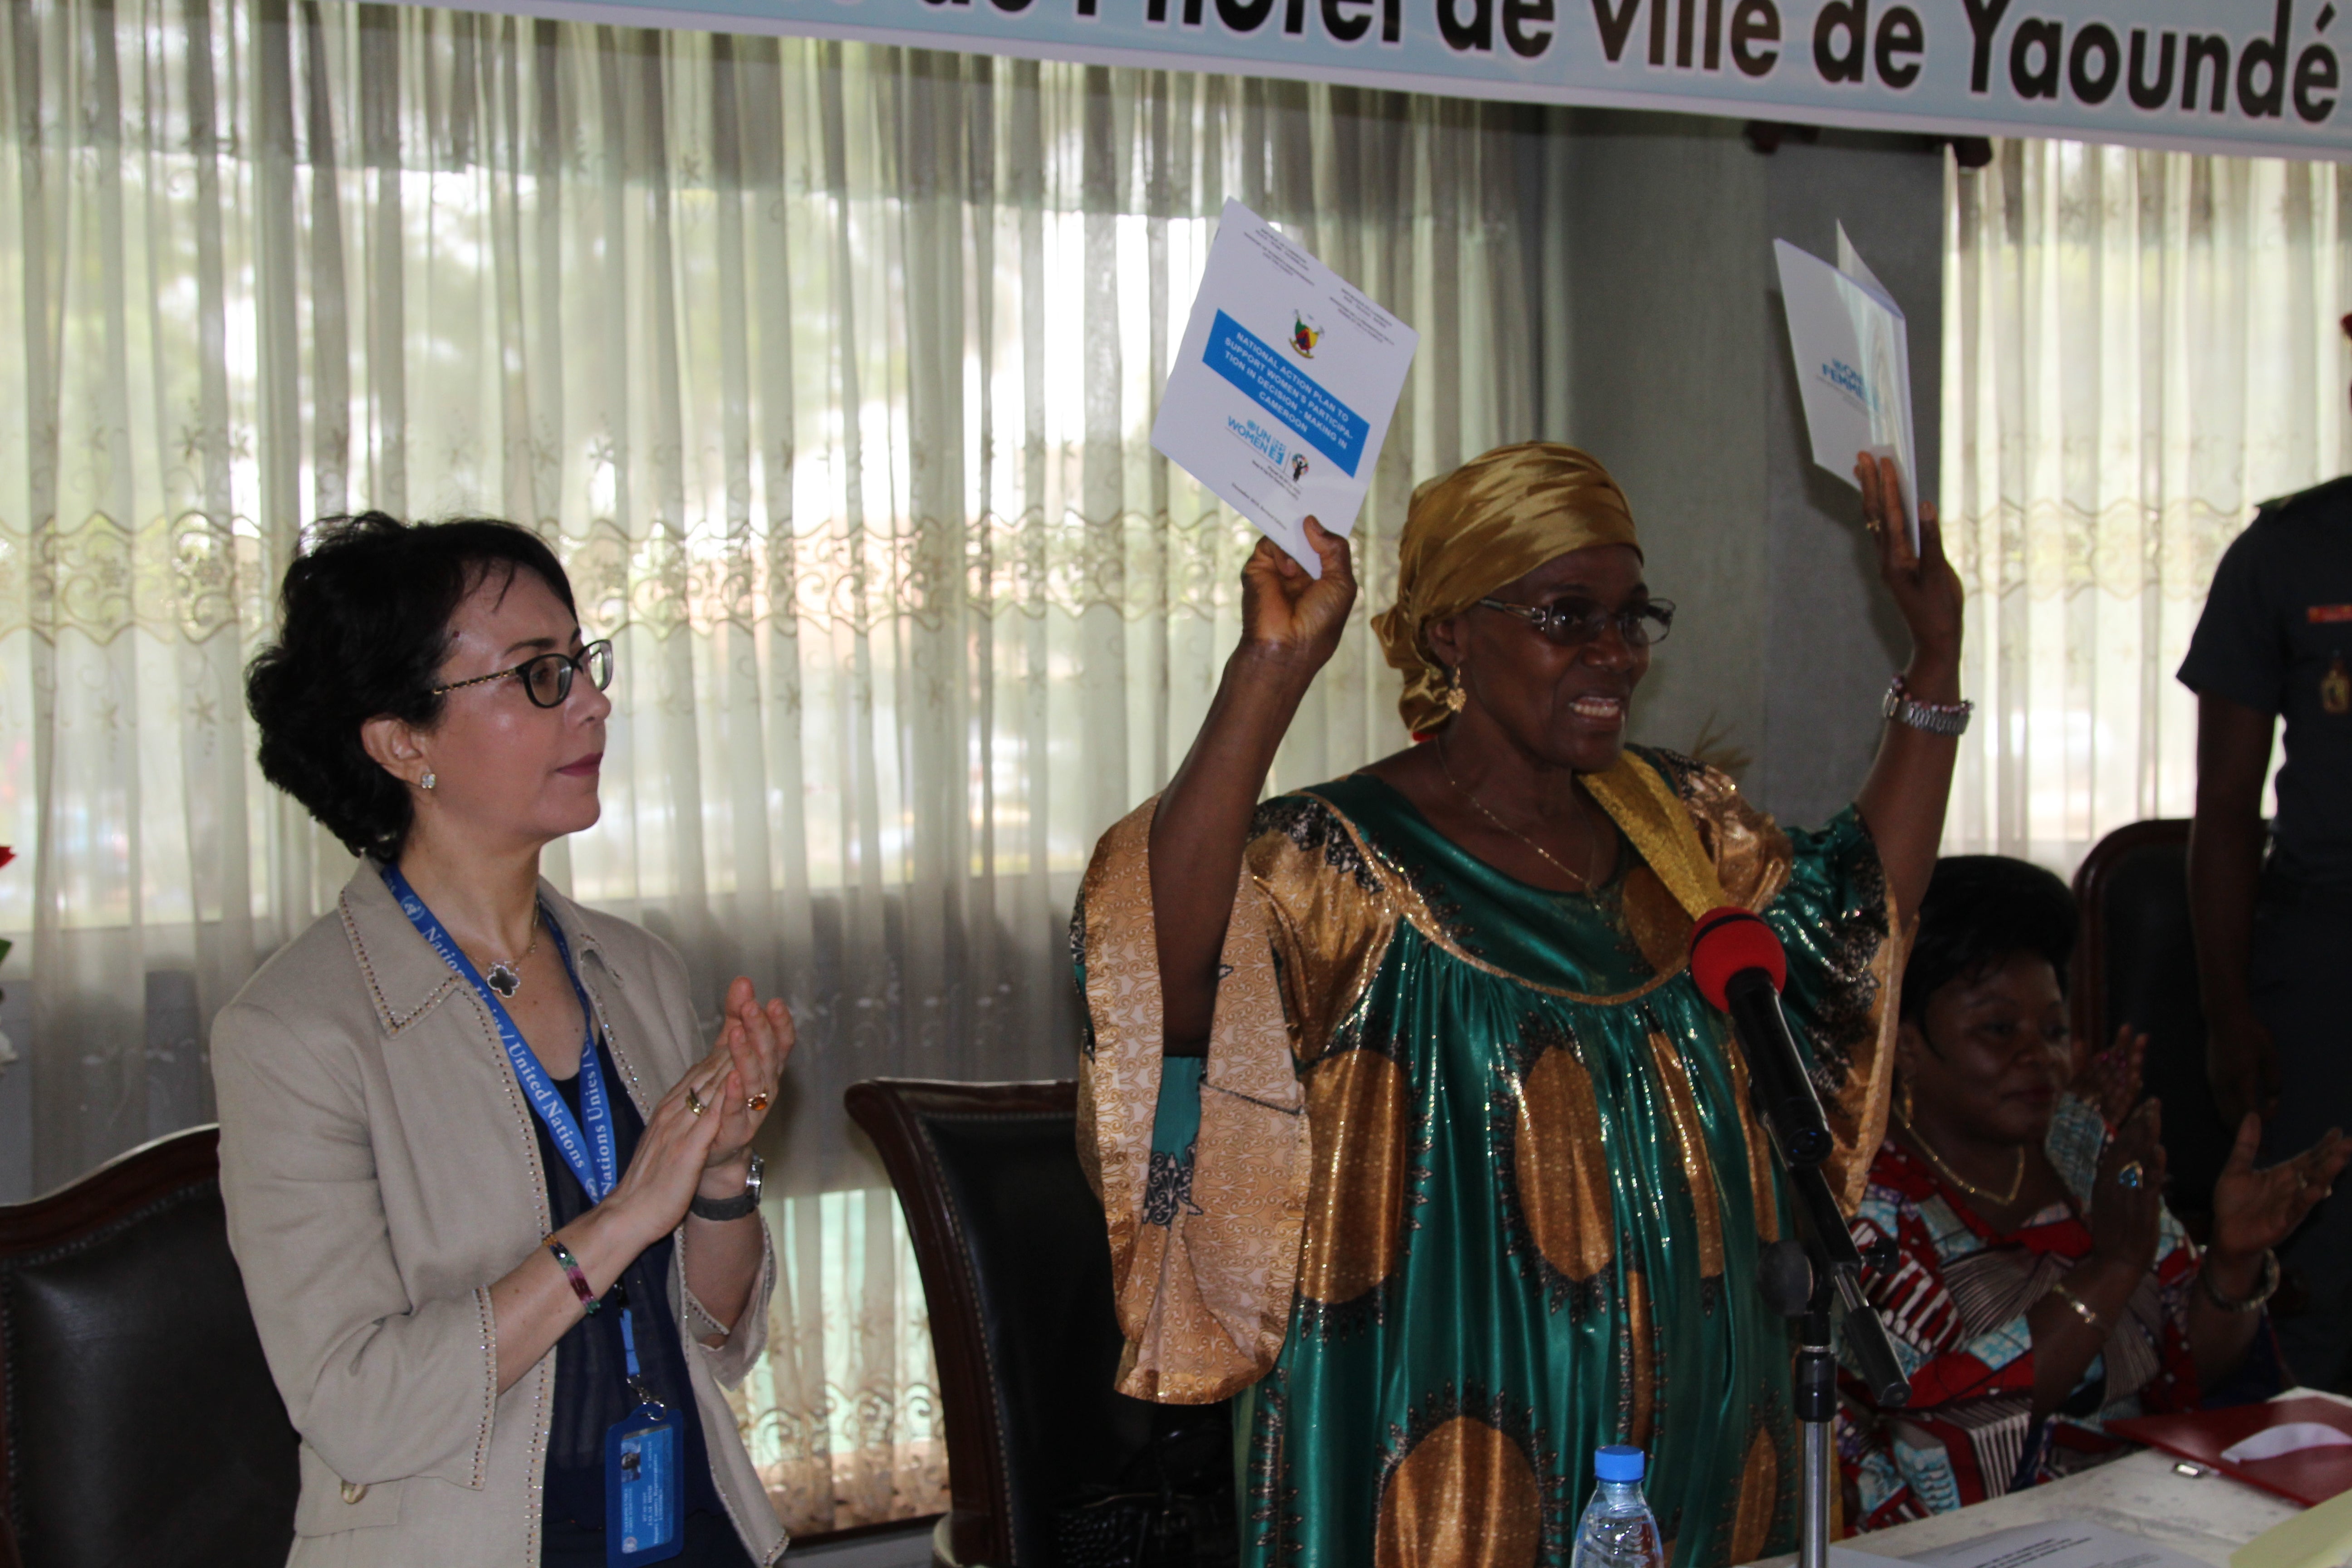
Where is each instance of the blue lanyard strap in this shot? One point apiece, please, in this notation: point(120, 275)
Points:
point(592, 1152)
point(636, 1373)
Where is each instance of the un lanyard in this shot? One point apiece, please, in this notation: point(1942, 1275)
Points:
point(593, 1155)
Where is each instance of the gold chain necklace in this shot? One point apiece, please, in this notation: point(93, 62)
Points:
point(1583, 883)
point(2016, 1179)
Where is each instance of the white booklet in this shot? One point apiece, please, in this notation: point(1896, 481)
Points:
point(1853, 366)
point(1283, 389)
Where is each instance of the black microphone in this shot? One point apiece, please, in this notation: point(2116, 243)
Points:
point(1740, 967)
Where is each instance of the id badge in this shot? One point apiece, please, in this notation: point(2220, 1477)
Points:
point(645, 1490)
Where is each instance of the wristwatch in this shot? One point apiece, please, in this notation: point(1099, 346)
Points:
point(736, 1207)
point(1936, 718)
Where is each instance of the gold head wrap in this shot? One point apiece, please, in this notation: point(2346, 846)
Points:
point(1490, 521)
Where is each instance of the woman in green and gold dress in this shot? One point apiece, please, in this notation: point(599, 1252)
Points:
point(1406, 1117)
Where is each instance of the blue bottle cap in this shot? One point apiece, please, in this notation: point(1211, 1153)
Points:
point(1617, 1463)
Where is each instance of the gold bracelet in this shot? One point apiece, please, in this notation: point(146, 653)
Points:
point(2265, 1287)
point(2081, 1309)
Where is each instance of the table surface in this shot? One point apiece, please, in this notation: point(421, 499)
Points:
point(2207, 1515)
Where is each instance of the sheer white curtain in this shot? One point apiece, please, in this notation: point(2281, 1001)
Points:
point(829, 369)
point(2139, 347)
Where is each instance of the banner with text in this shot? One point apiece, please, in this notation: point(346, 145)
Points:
point(2237, 76)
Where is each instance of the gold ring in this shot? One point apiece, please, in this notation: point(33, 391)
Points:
point(757, 1102)
point(694, 1102)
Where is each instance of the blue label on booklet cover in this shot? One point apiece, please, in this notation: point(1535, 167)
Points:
point(1275, 385)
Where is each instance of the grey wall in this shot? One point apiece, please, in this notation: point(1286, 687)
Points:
point(1666, 351)
point(1665, 310)
point(1833, 635)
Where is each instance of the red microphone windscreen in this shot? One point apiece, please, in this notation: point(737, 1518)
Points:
point(1726, 941)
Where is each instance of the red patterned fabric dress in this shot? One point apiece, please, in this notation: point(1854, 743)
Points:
point(1955, 1304)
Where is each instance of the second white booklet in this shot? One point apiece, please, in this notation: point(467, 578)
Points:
point(1282, 392)
point(1853, 366)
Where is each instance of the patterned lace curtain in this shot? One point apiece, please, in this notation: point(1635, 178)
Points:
point(829, 369)
point(2139, 348)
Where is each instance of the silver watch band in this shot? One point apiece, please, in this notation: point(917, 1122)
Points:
point(1935, 718)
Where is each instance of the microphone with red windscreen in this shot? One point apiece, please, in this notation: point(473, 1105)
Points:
point(1739, 967)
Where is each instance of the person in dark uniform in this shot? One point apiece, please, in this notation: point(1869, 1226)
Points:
point(2274, 932)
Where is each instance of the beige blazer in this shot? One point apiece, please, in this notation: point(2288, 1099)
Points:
point(379, 1171)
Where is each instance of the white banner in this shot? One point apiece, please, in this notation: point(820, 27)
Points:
point(2229, 76)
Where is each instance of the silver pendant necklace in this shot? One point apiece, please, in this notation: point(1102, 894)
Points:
point(505, 974)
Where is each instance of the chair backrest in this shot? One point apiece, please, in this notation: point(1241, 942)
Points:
point(1017, 1267)
point(2137, 964)
point(138, 1420)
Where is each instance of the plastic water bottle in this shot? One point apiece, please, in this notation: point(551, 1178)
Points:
point(1618, 1530)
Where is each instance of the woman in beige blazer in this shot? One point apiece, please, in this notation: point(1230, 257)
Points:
point(440, 1266)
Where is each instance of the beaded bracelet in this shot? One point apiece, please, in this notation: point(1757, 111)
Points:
point(572, 1271)
point(2082, 1308)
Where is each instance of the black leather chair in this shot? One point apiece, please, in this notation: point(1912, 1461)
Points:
point(1016, 1267)
point(2137, 964)
point(138, 1421)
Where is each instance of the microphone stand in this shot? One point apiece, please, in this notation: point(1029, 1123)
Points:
point(1803, 1279)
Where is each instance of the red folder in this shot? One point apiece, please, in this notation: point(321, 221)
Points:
point(2309, 1475)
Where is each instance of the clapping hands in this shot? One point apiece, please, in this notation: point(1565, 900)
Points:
point(2256, 1210)
point(698, 1137)
point(2128, 1196)
point(738, 1079)
point(2108, 1081)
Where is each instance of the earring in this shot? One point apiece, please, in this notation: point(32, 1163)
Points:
point(428, 781)
point(1457, 699)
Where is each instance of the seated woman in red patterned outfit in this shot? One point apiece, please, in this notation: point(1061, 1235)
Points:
point(2041, 1287)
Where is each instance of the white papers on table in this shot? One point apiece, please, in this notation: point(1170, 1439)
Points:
point(2057, 1543)
point(1847, 1557)
point(1282, 390)
point(1853, 366)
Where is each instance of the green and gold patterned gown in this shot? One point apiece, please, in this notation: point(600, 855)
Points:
point(1468, 1185)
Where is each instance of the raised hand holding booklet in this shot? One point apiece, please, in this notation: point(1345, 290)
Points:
point(1853, 366)
point(1283, 389)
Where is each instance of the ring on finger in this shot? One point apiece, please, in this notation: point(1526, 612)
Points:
point(2128, 1178)
point(757, 1102)
point(694, 1102)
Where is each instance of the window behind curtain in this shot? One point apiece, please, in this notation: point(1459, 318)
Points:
point(2139, 348)
point(829, 369)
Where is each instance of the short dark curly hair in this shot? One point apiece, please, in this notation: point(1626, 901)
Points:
point(365, 618)
point(1978, 910)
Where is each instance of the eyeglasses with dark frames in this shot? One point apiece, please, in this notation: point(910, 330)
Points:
point(1573, 623)
point(547, 680)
